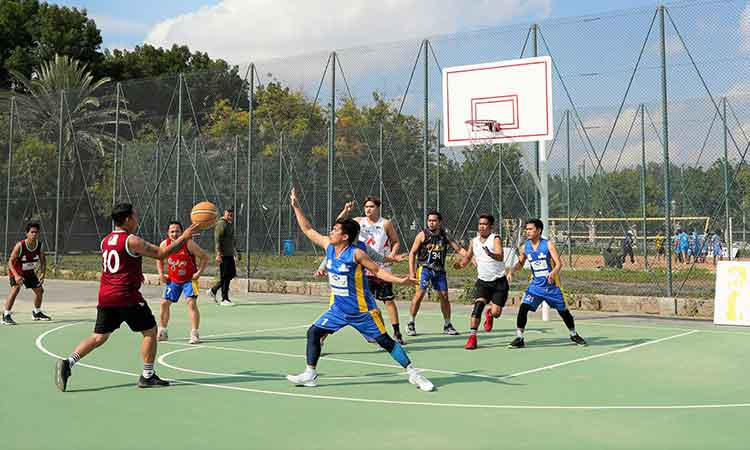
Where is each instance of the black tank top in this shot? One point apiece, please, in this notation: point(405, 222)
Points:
point(433, 250)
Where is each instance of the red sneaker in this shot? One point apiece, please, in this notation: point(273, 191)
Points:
point(471, 343)
point(488, 320)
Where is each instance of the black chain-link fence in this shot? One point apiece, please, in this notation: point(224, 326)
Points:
point(166, 143)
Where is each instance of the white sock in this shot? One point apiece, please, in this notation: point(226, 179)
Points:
point(573, 332)
point(148, 370)
point(37, 310)
point(446, 322)
point(74, 358)
point(411, 318)
point(194, 332)
point(519, 333)
point(6, 312)
point(410, 369)
point(310, 370)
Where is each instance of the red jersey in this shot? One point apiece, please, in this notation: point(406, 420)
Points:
point(28, 259)
point(181, 264)
point(122, 273)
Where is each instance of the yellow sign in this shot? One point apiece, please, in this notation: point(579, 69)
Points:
point(732, 300)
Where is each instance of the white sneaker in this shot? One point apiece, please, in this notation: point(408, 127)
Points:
point(195, 338)
point(307, 379)
point(227, 303)
point(421, 382)
point(163, 335)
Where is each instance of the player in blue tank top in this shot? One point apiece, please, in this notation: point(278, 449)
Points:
point(351, 301)
point(544, 285)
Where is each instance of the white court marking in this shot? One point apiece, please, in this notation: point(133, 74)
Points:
point(40, 345)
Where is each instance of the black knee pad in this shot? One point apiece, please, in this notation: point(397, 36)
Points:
point(386, 342)
point(478, 308)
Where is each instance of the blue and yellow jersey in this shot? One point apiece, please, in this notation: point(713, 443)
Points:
point(350, 293)
point(541, 265)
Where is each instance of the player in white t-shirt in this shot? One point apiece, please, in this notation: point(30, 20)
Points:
point(491, 285)
point(379, 234)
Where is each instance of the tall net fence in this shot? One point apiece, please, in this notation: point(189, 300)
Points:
point(631, 179)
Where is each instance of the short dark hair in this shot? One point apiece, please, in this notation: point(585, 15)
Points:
point(372, 198)
point(231, 210)
point(537, 223)
point(488, 217)
point(350, 228)
point(434, 212)
point(121, 212)
point(31, 225)
point(175, 222)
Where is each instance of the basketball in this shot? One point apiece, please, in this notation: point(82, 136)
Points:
point(204, 214)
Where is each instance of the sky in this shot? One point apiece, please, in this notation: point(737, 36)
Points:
point(243, 30)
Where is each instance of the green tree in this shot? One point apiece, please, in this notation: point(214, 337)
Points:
point(32, 32)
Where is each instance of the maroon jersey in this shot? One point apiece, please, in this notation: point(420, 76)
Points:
point(122, 273)
point(28, 259)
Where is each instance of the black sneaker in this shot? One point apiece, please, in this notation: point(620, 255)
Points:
point(154, 381)
point(400, 339)
point(8, 320)
point(448, 329)
point(40, 316)
point(517, 343)
point(62, 373)
point(411, 329)
point(578, 340)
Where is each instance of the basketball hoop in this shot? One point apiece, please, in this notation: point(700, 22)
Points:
point(482, 131)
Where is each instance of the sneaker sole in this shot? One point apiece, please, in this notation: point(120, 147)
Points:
point(61, 385)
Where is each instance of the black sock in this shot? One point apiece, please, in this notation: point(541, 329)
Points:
point(396, 329)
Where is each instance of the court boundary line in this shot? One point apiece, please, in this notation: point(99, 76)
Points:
point(40, 345)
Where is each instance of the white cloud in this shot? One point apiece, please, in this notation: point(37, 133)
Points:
point(245, 30)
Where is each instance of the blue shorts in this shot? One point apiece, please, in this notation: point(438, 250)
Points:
point(173, 290)
point(553, 297)
point(369, 324)
point(438, 280)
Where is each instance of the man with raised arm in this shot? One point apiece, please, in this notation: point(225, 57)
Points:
point(351, 301)
point(120, 298)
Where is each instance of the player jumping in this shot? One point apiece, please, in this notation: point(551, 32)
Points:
point(491, 285)
point(120, 299)
point(181, 278)
point(352, 303)
point(545, 282)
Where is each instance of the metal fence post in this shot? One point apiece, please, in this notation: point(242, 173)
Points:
point(179, 150)
point(117, 142)
point(567, 147)
point(10, 164)
point(248, 216)
point(727, 213)
point(426, 131)
point(643, 189)
point(57, 190)
point(665, 147)
point(331, 145)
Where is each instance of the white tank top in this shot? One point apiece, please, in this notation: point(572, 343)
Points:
point(487, 268)
point(375, 237)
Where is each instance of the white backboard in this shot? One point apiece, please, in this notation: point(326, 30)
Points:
point(516, 94)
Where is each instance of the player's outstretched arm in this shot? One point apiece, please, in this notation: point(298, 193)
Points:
point(361, 258)
point(413, 254)
point(346, 210)
point(519, 264)
point(160, 265)
point(465, 258)
point(457, 248)
point(304, 224)
point(138, 246)
point(202, 256)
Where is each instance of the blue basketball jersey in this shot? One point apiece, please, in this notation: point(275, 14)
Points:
point(540, 263)
point(350, 293)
